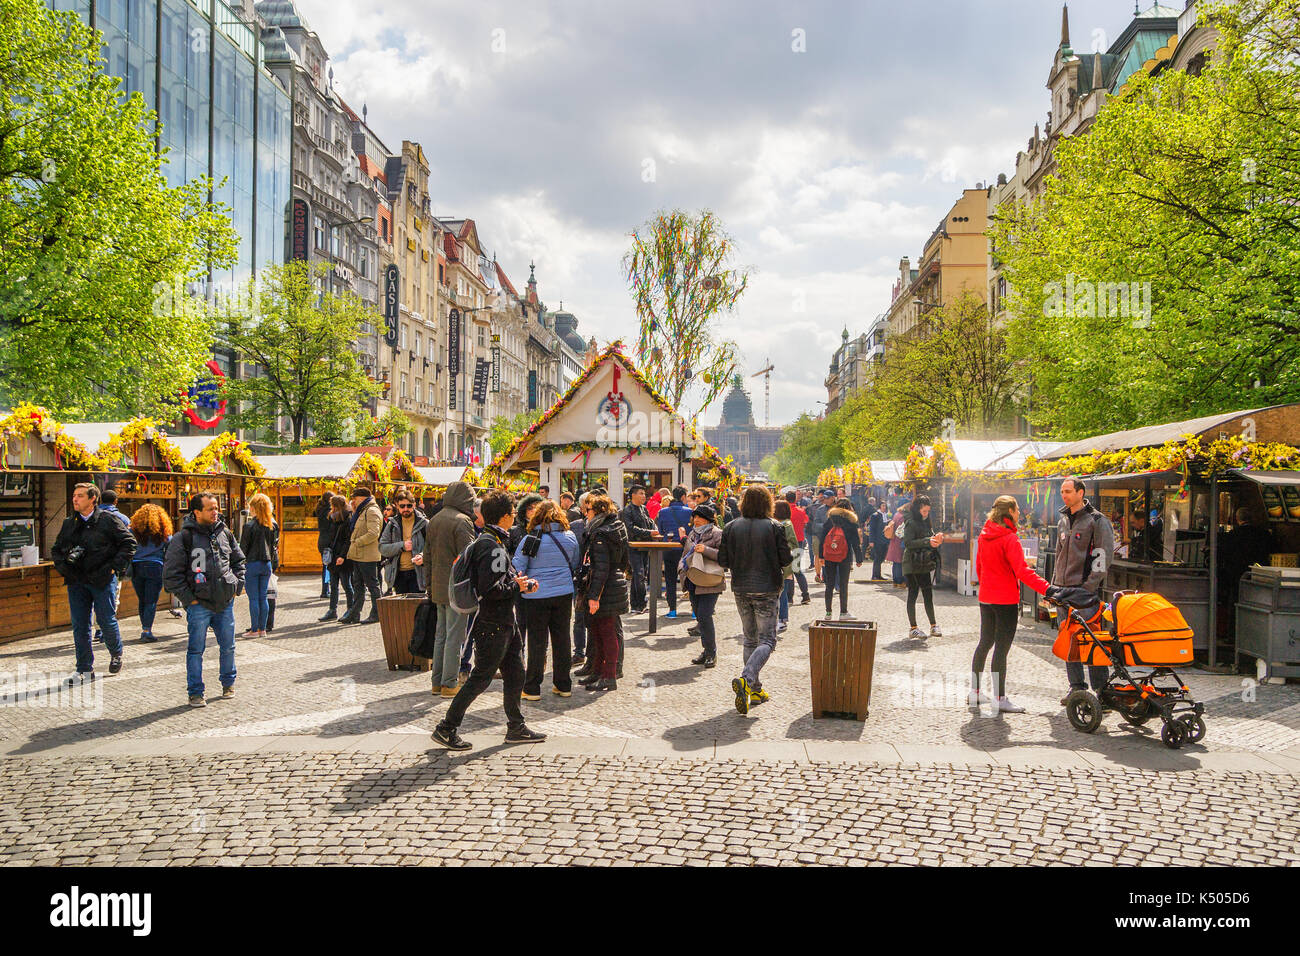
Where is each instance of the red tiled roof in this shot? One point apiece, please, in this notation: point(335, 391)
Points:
point(501, 275)
point(449, 245)
point(372, 169)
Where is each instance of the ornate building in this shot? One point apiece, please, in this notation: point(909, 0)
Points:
point(737, 434)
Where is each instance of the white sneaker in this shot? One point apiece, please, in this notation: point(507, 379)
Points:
point(934, 631)
point(916, 634)
point(1007, 707)
point(977, 698)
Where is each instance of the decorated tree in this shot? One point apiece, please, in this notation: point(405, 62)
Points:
point(681, 279)
point(90, 233)
point(300, 343)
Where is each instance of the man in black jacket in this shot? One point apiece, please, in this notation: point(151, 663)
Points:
point(497, 641)
point(204, 568)
point(754, 549)
point(640, 527)
point(91, 547)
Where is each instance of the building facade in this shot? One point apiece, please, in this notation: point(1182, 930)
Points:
point(467, 292)
point(852, 362)
point(953, 261)
point(738, 435)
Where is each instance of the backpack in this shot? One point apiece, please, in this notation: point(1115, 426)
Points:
point(836, 546)
point(461, 594)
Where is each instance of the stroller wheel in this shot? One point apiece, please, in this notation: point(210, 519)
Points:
point(1173, 734)
point(1084, 710)
point(1194, 726)
point(1138, 714)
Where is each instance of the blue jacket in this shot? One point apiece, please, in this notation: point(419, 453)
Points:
point(150, 551)
point(553, 567)
point(672, 517)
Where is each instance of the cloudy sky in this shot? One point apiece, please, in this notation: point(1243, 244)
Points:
point(827, 164)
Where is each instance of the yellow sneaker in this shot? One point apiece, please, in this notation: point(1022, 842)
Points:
point(759, 697)
point(527, 696)
point(450, 691)
point(743, 695)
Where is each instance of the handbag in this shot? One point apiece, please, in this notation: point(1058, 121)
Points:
point(705, 572)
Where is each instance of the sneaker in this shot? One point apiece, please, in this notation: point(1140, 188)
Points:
point(450, 739)
point(561, 693)
point(329, 616)
point(759, 697)
point(579, 661)
point(671, 616)
point(148, 639)
point(173, 612)
point(527, 696)
point(80, 678)
point(228, 692)
point(781, 626)
point(934, 631)
point(1007, 707)
point(524, 736)
point(807, 599)
point(115, 664)
point(449, 691)
point(693, 631)
point(977, 698)
point(196, 700)
point(916, 634)
point(741, 688)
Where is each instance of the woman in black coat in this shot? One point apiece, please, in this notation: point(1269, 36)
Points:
point(604, 564)
point(920, 558)
point(323, 535)
point(835, 571)
point(340, 536)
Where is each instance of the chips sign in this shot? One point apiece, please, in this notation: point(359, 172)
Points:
point(392, 277)
point(209, 408)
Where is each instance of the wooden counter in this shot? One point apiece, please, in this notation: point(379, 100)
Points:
point(298, 552)
point(34, 600)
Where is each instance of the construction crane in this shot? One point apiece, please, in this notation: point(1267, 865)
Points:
point(767, 392)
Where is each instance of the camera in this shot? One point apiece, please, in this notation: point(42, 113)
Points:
point(75, 554)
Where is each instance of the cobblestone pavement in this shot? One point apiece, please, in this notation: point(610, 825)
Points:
point(323, 747)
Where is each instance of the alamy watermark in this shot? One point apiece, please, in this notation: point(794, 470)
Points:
point(51, 691)
point(1083, 298)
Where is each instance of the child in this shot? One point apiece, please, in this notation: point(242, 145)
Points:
point(270, 603)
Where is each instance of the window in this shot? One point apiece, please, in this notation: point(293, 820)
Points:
point(403, 341)
point(433, 349)
point(425, 443)
point(419, 390)
point(430, 394)
point(419, 344)
point(318, 233)
point(482, 341)
point(403, 391)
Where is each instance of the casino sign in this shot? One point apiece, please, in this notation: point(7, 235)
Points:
point(209, 407)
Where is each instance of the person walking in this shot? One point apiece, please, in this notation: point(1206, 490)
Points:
point(108, 505)
point(1084, 544)
point(401, 547)
point(151, 527)
point(340, 568)
point(324, 538)
point(799, 518)
point(876, 538)
point(92, 546)
point(841, 547)
point(603, 568)
point(1000, 567)
point(498, 645)
point(674, 522)
point(204, 567)
point(259, 541)
point(363, 552)
point(816, 525)
point(640, 527)
point(782, 514)
point(894, 553)
point(755, 551)
point(450, 532)
point(548, 554)
point(705, 539)
point(920, 558)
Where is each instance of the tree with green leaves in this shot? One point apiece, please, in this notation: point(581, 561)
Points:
point(808, 445)
point(506, 430)
point(680, 273)
point(388, 429)
point(299, 341)
point(90, 233)
point(1160, 269)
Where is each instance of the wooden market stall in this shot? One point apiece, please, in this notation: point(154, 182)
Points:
point(613, 430)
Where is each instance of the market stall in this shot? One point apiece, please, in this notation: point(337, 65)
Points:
point(611, 429)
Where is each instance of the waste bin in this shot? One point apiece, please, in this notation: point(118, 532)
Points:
point(396, 621)
point(842, 654)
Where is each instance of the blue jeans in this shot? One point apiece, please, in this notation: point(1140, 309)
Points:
point(787, 598)
point(798, 573)
point(146, 578)
point(758, 622)
point(257, 575)
point(82, 599)
point(114, 585)
point(896, 568)
point(198, 619)
point(447, 646)
point(704, 605)
point(1097, 675)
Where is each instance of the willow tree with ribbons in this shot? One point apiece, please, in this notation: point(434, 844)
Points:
point(680, 273)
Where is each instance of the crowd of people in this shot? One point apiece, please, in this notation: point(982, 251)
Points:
point(515, 581)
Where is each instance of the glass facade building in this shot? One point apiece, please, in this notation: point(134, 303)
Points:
point(222, 114)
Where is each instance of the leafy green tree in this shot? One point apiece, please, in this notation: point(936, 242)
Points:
point(90, 233)
point(506, 430)
point(679, 271)
point(359, 430)
point(299, 340)
point(1182, 201)
point(808, 445)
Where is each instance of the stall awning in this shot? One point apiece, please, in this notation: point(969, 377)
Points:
point(1267, 477)
point(1134, 479)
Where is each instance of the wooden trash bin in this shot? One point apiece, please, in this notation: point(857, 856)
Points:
point(396, 621)
point(841, 654)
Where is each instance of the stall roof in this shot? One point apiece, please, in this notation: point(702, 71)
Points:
point(191, 445)
point(887, 469)
point(998, 455)
point(1153, 435)
point(1133, 479)
point(313, 467)
point(1267, 477)
point(93, 434)
point(443, 475)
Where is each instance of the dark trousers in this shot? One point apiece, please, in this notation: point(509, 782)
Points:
point(498, 646)
point(604, 644)
point(836, 575)
point(997, 631)
point(671, 560)
point(365, 577)
point(878, 550)
point(341, 574)
point(146, 578)
point(580, 634)
point(799, 578)
point(547, 620)
point(406, 582)
point(640, 570)
point(922, 584)
point(704, 605)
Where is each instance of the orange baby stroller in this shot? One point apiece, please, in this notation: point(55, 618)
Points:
point(1140, 631)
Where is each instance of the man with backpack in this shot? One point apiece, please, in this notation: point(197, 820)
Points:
point(204, 568)
point(448, 534)
point(483, 574)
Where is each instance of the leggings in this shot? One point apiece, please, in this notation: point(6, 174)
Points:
point(836, 575)
point(997, 631)
point(922, 584)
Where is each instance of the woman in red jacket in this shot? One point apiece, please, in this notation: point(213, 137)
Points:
point(999, 566)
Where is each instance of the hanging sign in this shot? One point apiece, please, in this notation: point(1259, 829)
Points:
point(392, 278)
point(496, 368)
point(453, 342)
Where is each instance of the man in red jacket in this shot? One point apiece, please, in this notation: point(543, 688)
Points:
point(1000, 567)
